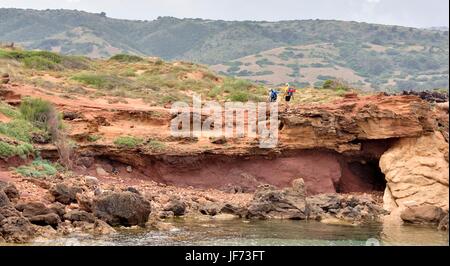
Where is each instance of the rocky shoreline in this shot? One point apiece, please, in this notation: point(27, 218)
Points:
point(61, 206)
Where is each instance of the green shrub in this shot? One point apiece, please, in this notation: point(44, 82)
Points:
point(128, 142)
point(40, 63)
point(214, 92)
point(40, 113)
point(336, 85)
point(38, 168)
point(327, 84)
point(18, 129)
point(8, 110)
point(101, 81)
point(9, 150)
point(128, 73)
point(126, 58)
point(239, 96)
point(42, 60)
point(93, 138)
point(156, 145)
point(263, 62)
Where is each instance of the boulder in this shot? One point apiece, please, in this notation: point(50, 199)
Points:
point(10, 190)
point(269, 202)
point(346, 208)
point(77, 215)
point(133, 190)
point(17, 229)
point(8, 211)
point(103, 228)
point(210, 208)
point(4, 200)
point(65, 194)
point(85, 202)
point(219, 140)
point(234, 210)
point(31, 209)
point(177, 206)
point(91, 181)
point(51, 219)
point(423, 214)
point(165, 214)
point(443, 224)
point(121, 208)
point(58, 208)
point(101, 172)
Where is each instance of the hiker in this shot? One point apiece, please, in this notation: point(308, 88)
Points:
point(273, 95)
point(288, 92)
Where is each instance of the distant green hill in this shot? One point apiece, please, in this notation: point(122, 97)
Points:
point(373, 56)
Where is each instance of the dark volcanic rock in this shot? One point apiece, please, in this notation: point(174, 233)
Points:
point(81, 216)
point(51, 219)
point(269, 202)
point(210, 208)
point(177, 206)
point(121, 208)
point(443, 224)
point(58, 208)
point(352, 208)
point(31, 209)
point(64, 193)
point(231, 209)
point(10, 190)
point(14, 227)
point(17, 229)
point(4, 200)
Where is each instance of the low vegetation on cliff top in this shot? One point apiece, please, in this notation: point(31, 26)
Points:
point(35, 121)
point(124, 76)
point(128, 76)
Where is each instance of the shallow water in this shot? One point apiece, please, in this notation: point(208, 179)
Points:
point(279, 233)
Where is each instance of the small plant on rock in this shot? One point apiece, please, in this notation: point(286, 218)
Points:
point(128, 142)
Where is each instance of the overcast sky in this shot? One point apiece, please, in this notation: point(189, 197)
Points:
point(415, 13)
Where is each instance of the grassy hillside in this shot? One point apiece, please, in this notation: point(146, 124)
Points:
point(122, 76)
point(369, 55)
point(367, 66)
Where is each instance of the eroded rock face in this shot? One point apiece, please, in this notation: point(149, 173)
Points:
point(417, 172)
point(365, 118)
point(121, 208)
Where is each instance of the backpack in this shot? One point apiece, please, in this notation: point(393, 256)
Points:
point(273, 95)
point(290, 92)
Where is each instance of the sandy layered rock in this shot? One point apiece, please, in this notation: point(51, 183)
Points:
point(422, 214)
point(364, 118)
point(417, 172)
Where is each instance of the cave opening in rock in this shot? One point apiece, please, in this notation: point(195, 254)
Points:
point(362, 176)
point(361, 171)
